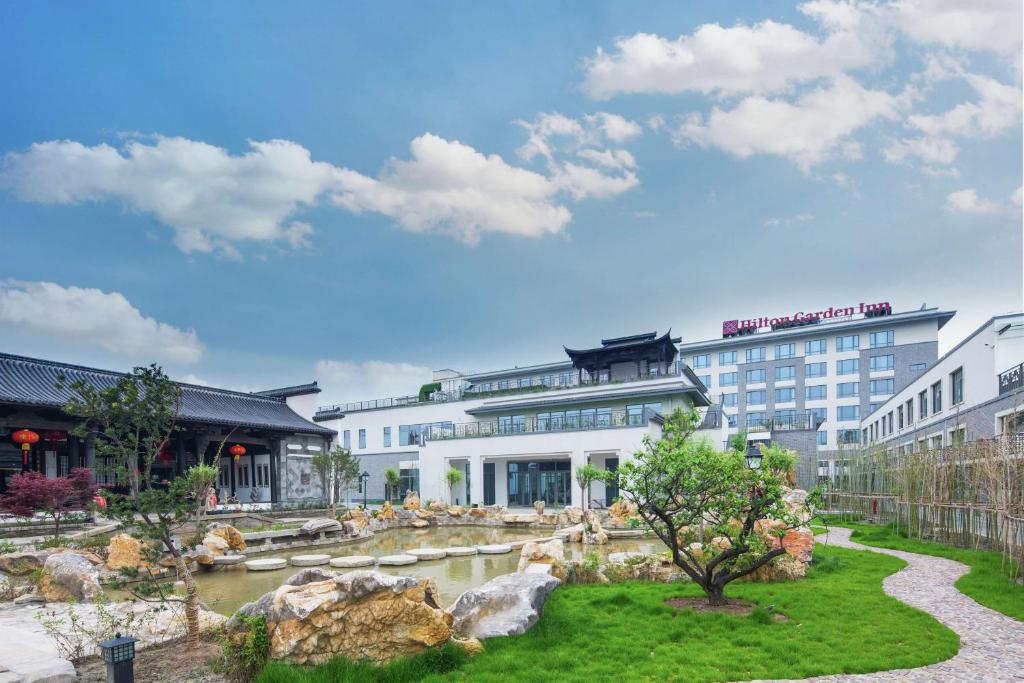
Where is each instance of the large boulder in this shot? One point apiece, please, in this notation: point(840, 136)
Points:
point(573, 514)
point(387, 512)
point(456, 510)
point(799, 544)
point(512, 518)
point(506, 605)
point(229, 534)
point(24, 562)
point(201, 554)
point(538, 507)
point(621, 512)
point(412, 501)
point(320, 525)
point(437, 506)
point(360, 615)
point(571, 534)
point(550, 553)
point(593, 532)
point(70, 576)
point(124, 552)
point(478, 513)
point(217, 545)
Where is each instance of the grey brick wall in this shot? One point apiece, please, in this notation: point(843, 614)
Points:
point(375, 464)
point(979, 421)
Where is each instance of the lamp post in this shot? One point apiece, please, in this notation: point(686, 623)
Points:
point(25, 437)
point(753, 457)
point(119, 654)
point(365, 477)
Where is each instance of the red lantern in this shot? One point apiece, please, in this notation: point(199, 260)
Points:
point(238, 450)
point(26, 437)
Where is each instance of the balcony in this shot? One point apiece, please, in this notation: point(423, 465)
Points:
point(800, 421)
point(614, 419)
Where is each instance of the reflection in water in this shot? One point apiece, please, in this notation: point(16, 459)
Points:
point(226, 591)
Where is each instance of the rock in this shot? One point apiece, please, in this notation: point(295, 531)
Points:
point(437, 506)
point(538, 507)
point(506, 605)
point(360, 615)
point(419, 523)
point(510, 518)
point(309, 560)
point(396, 560)
point(782, 568)
point(572, 534)
point(427, 553)
point(720, 543)
point(25, 562)
point(352, 561)
point(471, 646)
point(387, 512)
point(228, 560)
point(228, 533)
point(411, 502)
point(70, 576)
point(266, 564)
point(574, 514)
point(550, 553)
point(460, 551)
point(622, 558)
point(216, 545)
point(799, 543)
point(6, 589)
point(424, 514)
point(593, 533)
point(621, 512)
point(456, 511)
point(494, 549)
point(309, 576)
point(350, 528)
point(325, 524)
point(124, 552)
point(478, 512)
point(200, 555)
point(697, 550)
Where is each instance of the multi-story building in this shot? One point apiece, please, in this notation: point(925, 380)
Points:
point(824, 370)
point(518, 435)
point(975, 391)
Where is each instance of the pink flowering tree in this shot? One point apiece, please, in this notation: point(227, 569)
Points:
point(31, 493)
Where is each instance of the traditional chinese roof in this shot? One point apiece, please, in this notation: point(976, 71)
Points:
point(288, 392)
point(32, 382)
point(635, 347)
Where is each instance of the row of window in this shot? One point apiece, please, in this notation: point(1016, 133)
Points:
point(850, 366)
point(242, 480)
point(928, 402)
point(812, 347)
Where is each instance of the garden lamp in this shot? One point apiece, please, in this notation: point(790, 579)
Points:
point(119, 655)
point(365, 476)
point(753, 457)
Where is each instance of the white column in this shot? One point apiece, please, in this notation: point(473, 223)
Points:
point(578, 458)
point(476, 479)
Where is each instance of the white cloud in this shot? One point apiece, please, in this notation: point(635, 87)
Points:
point(977, 25)
point(1016, 197)
point(767, 57)
point(816, 127)
point(932, 150)
point(789, 220)
point(997, 110)
point(345, 381)
point(94, 318)
point(610, 158)
point(190, 378)
point(615, 128)
point(968, 201)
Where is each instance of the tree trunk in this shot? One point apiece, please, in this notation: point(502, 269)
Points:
point(191, 597)
point(716, 595)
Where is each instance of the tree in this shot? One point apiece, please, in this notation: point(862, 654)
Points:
point(392, 481)
point(29, 493)
point(706, 505)
point(338, 469)
point(452, 478)
point(201, 479)
point(585, 475)
point(132, 420)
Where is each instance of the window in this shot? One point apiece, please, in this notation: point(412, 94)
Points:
point(635, 414)
point(881, 387)
point(755, 355)
point(785, 395)
point(756, 419)
point(815, 347)
point(850, 342)
point(546, 379)
point(956, 386)
point(729, 400)
point(847, 389)
point(819, 414)
point(702, 361)
point(727, 358)
point(879, 363)
point(653, 369)
point(785, 351)
point(362, 438)
point(936, 397)
point(727, 379)
point(910, 411)
point(880, 339)
point(848, 413)
point(847, 436)
point(899, 417)
point(346, 439)
point(784, 417)
point(759, 397)
point(822, 438)
point(730, 420)
point(816, 392)
point(387, 437)
point(889, 422)
point(784, 372)
point(873, 407)
point(851, 366)
point(756, 376)
point(816, 370)
point(565, 378)
point(958, 437)
point(918, 367)
point(705, 380)
point(526, 382)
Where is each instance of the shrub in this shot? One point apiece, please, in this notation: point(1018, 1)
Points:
point(245, 653)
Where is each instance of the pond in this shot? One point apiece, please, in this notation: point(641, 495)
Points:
point(226, 591)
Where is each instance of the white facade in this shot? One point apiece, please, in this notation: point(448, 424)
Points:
point(963, 380)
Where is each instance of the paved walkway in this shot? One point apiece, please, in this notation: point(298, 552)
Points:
point(991, 644)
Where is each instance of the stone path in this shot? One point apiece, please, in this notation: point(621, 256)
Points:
point(991, 644)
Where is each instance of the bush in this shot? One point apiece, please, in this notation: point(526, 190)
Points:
point(7, 547)
point(826, 565)
point(245, 653)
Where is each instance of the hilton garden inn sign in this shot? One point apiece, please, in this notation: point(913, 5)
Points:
point(735, 328)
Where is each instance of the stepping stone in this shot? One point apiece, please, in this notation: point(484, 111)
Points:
point(460, 551)
point(310, 560)
point(266, 565)
point(427, 553)
point(394, 560)
point(351, 561)
point(228, 559)
point(494, 549)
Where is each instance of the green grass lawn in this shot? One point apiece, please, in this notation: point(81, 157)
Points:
point(840, 621)
point(986, 582)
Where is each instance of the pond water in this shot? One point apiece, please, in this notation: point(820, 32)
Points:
point(226, 591)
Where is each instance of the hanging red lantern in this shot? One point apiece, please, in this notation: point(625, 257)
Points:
point(238, 450)
point(26, 437)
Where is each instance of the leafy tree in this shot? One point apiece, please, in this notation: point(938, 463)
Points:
point(33, 492)
point(338, 469)
point(586, 475)
point(452, 478)
point(392, 481)
point(690, 495)
point(738, 441)
point(132, 419)
point(201, 479)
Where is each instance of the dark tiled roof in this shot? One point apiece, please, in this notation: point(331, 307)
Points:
point(33, 382)
point(286, 392)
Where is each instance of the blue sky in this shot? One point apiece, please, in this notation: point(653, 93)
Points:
point(259, 194)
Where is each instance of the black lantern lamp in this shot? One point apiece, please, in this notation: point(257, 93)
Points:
point(119, 655)
point(754, 457)
point(365, 476)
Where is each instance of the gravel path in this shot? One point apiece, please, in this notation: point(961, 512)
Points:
point(991, 644)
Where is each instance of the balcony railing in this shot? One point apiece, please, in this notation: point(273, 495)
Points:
point(805, 420)
point(536, 425)
point(1011, 379)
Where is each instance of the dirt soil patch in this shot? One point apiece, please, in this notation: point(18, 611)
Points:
point(738, 608)
point(168, 662)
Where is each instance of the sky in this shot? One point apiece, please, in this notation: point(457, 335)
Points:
point(260, 194)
